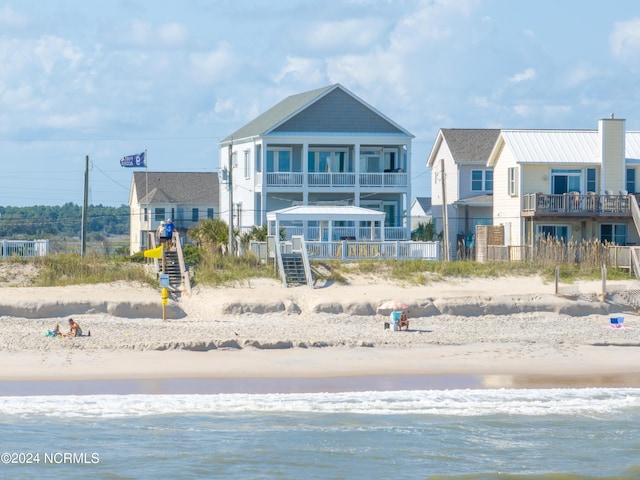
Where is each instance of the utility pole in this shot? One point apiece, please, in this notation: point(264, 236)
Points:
point(85, 208)
point(445, 214)
point(231, 249)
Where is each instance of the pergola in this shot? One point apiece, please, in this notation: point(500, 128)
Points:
point(328, 215)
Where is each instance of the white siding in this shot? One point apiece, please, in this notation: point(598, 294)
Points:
point(506, 208)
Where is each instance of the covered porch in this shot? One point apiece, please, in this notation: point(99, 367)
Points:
point(328, 223)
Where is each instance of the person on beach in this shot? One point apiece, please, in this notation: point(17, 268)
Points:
point(161, 232)
point(169, 228)
point(74, 329)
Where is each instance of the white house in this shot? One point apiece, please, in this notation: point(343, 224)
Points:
point(568, 184)
point(420, 211)
point(323, 147)
point(185, 197)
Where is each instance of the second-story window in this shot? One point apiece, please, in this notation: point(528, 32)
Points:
point(247, 165)
point(278, 160)
point(631, 180)
point(512, 179)
point(194, 214)
point(482, 180)
point(591, 180)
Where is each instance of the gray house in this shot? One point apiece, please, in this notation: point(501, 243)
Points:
point(460, 173)
point(326, 147)
point(185, 197)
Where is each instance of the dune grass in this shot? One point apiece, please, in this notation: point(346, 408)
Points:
point(213, 269)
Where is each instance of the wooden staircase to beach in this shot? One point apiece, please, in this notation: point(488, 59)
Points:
point(171, 266)
point(293, 266)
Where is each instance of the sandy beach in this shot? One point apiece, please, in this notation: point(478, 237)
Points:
point(477, 332)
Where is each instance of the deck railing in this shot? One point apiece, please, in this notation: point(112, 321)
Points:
point(337, 179)
point(350, 250)
point(24, 248)
point(576, 204)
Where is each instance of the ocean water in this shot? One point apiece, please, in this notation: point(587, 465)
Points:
point(412, 434)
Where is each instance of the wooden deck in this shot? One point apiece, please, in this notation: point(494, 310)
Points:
point(576, 205)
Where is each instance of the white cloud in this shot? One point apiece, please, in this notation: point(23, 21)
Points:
point(625, 39)
point(303, 71)
point(214, 65)
point(12, 18)
point(172, 34)
point(50, 50)
point(355, 33)
point(528, 74)
point(523, 110)
point(146, 35)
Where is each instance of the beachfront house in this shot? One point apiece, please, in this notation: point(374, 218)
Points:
point(323, 148)
point(568, 184)
point(420, 211)
point(461, 183)
point(185, 197)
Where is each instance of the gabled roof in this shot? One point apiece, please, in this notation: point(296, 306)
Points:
point(549, 146)
point(200, 188)
point(331, 109)
point(558, 146)
point(467, 145)
point(424, 202)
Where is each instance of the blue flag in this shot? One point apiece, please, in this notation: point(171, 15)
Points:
point(137, 160)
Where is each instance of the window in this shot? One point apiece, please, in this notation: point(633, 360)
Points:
point(258, 158)
point(559, 232)
point(194, 214)
point(159, 214)
point(370, 161)
point(564, 180)
point(592, 184)
point(631, 180)
point(145, 214)
point(513, 182)
point(323, 160)
point(482, 180)
point(278, 160)
point(613, 233)
point(210, 213)
point(247, 166)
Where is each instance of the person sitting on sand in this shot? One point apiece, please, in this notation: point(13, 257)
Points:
point(56, 331)
point(74, 329)
point(403, 321)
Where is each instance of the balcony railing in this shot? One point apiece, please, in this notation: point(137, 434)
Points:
point(338, 179)
point(575, 204)
point(350, 250)
point(345, 233)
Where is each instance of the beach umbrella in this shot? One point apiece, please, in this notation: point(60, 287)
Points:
point(390, 306)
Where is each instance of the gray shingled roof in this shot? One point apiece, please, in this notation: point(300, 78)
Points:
point(480, 200)
point(277, 114)
point(327, 109)
point(177, 187)
point(425, 203)
point(471, 145)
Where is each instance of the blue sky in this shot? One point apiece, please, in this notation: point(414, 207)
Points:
point(113, 78)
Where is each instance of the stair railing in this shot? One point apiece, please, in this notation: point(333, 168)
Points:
point(184, 273)
point(300, 246)
point(278, 254)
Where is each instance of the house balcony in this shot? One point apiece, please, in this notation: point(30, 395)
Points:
point(317, 180)
point(575, 205)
